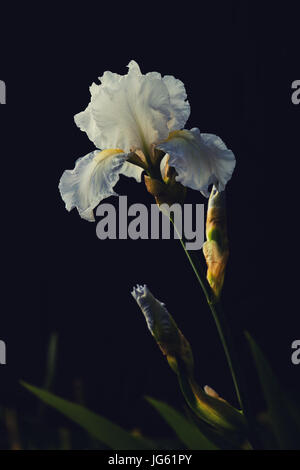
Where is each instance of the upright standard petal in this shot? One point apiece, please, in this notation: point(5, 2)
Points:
point(133, 111)
point(199, 159)
point(180, 107)
point(93, 180)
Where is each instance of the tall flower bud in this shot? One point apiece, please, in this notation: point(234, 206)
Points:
point(215, 249)
point(164, 329)
point(207, 405)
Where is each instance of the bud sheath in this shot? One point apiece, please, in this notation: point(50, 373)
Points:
point(215, 249)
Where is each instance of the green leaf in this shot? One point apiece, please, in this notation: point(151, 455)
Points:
point(51, 361)
point(186, 431)
point(101, 428)
point(283, 424)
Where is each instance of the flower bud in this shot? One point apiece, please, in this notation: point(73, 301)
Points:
point(215, 249)
point(212, 393)
point(164, 329)
point(207, 404)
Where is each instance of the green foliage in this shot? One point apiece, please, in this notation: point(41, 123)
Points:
point(282, 422)
point(283, 414)
point(186, 431)
point(51, 360)
point(99, 427)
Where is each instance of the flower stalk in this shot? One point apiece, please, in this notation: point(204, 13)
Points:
point(218, 315)
point(211, 284)
point(216, 254)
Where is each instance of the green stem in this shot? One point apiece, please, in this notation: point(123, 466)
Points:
point(222, 327)
point(227, 341)
point(229, 347)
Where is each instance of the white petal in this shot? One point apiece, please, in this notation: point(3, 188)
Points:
point(199, 159)
point(180, 107)
point(129, 112)
point(86, 123)
point(133, 111)
point(133, 66)
point(132, 171)
point(93, 180)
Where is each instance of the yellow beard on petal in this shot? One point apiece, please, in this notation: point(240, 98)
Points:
point(106, 153)
point(181, 133)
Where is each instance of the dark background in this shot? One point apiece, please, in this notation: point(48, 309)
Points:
point(237, 61)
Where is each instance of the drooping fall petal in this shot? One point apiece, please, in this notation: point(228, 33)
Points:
point(93, 179)
point(199, 159)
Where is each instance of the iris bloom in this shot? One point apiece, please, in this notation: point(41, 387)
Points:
point(136, 122)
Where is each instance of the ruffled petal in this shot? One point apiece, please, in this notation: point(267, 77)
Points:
point(86, 123)
point(180, 107)
point(129, 112)
point(93, 180)
point(132, 171)
point(199, 159)
point(134, 111)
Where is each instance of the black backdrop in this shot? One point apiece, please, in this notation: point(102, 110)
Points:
point(237, 61)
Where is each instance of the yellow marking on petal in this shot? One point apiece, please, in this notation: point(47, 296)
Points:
point(174, 134)
point(106, 153)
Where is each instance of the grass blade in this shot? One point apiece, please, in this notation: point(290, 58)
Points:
point(284, 426)
point(101, 428)
point(186, 431)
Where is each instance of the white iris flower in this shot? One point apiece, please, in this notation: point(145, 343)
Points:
point(132, 117)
